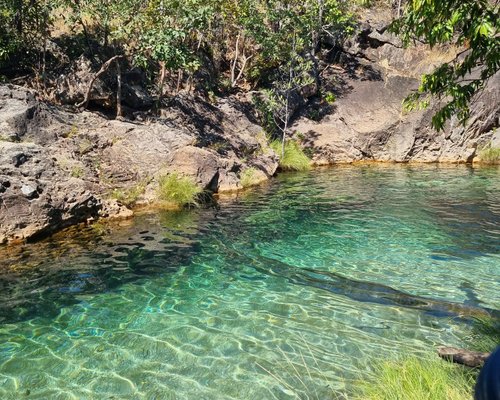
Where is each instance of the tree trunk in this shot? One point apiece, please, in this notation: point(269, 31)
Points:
point(119, 113)
point(179, 81)
point(163, 70)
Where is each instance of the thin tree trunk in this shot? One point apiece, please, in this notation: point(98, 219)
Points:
point(235, 60)
point(285, 127)
point(179, 79)
point(160, 84)
point(119, 113)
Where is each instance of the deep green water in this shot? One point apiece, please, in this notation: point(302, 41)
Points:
point(290, 291)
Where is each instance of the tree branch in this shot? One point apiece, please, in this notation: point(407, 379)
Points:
point(103, 69)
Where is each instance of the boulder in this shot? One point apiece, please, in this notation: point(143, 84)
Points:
point(228, 182)
point(72, 85)
point(136, 97)
point(200, 164)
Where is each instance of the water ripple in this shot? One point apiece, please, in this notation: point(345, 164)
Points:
point(288, 291)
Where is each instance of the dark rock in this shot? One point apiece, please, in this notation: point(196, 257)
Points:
point(267, 163)
point(72, 85)
point(136, 97)
point(228, 182)
point(200, 164)
point(65, 165)
point(380, 38)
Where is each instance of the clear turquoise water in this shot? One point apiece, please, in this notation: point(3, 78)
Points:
point(290, 291)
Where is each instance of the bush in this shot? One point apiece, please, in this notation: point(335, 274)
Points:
point(178, 190)
point(490, 155)
point(330, 98)
point(294, 158)
point(413, 378)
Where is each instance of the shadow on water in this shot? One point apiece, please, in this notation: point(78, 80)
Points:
point(166, 241)
point(48, 276)
point(370, 292)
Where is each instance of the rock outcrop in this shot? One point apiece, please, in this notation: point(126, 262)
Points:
point(367, 122)
point(59, 168)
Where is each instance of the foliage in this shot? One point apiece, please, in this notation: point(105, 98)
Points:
point(414, 378)
point(471, 24)
point(290, 79)
point(25, 26)
point(490, 155)
point(294, 158)
point(245, 40)
point(178, 190)
point(330, 98)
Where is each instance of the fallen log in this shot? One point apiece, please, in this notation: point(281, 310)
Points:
point(468, 358)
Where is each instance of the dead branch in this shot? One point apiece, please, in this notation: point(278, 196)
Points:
point(103, 69)
point(468, 358)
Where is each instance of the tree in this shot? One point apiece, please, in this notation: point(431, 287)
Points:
point(470, 24)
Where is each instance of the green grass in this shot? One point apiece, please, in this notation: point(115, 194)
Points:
point(178, 190)
point(128, 197)
point(249, 177)
point(415, 378)
point(485, 334)
point(294, 158)
point(490, 155)
point(77, 172)
point(330, 97)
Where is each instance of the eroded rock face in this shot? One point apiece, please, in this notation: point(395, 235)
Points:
point(36, 196)
point(367, 121)
point(59, 168)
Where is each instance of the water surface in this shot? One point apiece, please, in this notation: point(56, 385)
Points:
point(291, 290)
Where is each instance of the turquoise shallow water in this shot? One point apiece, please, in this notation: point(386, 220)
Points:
point(290, 291)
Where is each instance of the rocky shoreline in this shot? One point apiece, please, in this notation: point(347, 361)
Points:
point(60, 166)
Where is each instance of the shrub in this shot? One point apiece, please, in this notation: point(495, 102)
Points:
point(490, 155)
point(178, 190)
point(413, 378)
point(294, 158)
